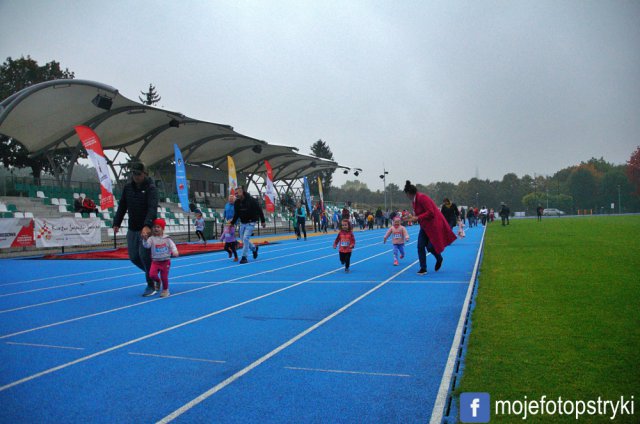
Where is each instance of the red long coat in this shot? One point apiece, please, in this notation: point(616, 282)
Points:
point(432, 222)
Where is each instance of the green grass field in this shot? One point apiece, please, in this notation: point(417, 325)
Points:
point(558, 313)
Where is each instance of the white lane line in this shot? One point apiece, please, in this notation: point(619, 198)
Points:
point(179, 259)
point(381, 374)
point(137, 272)
point(178, 357)
point(64, 299)
point(174, 327)
point(44, 345)
point(157, 299)
point(441, 399)
point(144, 302)
point(175, 414)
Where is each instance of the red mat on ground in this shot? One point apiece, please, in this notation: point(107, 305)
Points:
point(185, 249)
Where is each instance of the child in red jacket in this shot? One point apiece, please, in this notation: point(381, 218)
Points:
point(347, 241)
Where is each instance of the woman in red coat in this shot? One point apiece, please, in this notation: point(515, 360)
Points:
point(435, 233)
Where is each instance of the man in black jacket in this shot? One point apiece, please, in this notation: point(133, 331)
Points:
point(248, 211)
point(504, 213)
point(140, 200)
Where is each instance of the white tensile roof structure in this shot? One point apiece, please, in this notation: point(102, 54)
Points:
point(43, 116)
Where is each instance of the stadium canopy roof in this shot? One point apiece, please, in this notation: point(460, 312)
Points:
point(43, 116)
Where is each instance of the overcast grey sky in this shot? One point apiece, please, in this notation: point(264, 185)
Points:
point(431, 90)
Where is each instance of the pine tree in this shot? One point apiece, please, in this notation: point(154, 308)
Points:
point(321, 150)
point(151, 97)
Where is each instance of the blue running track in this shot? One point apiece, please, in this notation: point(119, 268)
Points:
point(289, 337)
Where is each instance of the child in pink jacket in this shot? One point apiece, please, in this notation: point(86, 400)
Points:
point(398, 236)
point(162, 249)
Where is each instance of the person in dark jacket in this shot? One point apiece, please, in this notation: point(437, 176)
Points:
point(504, 214)
point(140, 200)
point(248, 211)
point(450, 212)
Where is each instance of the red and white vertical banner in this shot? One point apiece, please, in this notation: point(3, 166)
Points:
point(270, 192)
point(92, 145)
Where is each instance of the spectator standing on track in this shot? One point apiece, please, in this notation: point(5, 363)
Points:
point(346, 242)
point(162, 249)
point(315, 217)
point(379, 217)
point(229, 209)
point(140, 200)
point(471, 217)
point(301, 220)
point(435, 233)
point(336, 220)
point(399, 236)
point(199, 224)
point(294, 221)
point(450, 212)
point(504, 213)
point(484, 215)
point(345, 214)
point(230, 243)
point(324, 222)
point(248, 211)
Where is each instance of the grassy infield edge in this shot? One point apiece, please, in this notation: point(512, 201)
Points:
point(556, 313)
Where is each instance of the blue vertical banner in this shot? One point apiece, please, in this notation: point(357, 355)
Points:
point(307, 194)
point(181, 180)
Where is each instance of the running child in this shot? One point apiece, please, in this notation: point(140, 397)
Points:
point(162, 249)
point(461, 228)
point(199, 224)
point(230, 242)
point(398, 235)
point(347, 241)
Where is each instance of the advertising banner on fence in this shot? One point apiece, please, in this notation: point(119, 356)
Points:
point(16, 232)
point(91, 144)
point(57, 232)
point(181, 180)
point(270, 192)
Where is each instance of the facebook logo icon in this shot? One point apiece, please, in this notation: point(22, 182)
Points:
point(475, 407)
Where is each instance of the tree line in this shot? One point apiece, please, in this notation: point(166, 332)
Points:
point(593, 185)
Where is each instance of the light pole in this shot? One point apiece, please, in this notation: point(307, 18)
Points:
point(619, 205)
point(384, 184)
point(477, 202)
point(548, 198)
